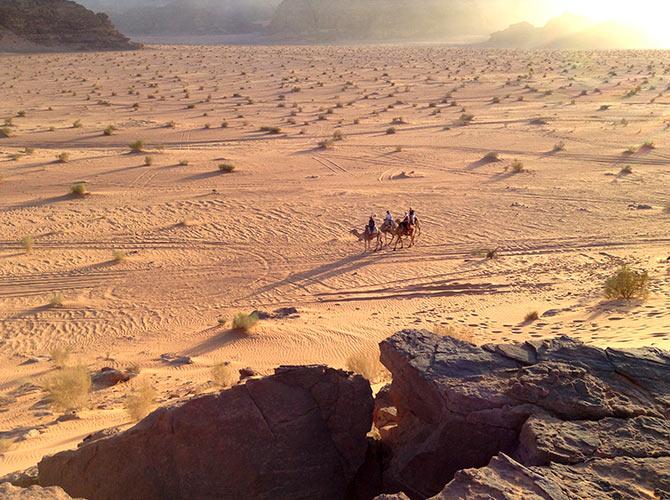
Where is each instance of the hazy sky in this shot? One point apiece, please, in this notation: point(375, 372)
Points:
point(652, 16)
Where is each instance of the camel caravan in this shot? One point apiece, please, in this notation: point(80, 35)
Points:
point(391, 232)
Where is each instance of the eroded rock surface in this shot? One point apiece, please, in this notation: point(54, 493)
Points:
point(11, 492)
point(459, 405)
point(300, 433)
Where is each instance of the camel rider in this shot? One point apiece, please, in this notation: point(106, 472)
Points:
point(412, 216)
point(405, 222)
point(371, 228)
point(388, 220)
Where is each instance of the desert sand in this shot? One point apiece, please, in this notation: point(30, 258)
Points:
point(161, 254)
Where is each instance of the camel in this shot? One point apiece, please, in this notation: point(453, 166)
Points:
point(368, 238)
point(389, 228)
point(402, 232)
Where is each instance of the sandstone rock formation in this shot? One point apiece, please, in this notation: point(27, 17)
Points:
point(56, 24)
point(300, 433)
point(555, 404)
point(9, 492)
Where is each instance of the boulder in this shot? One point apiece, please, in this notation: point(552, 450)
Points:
point(459, 405)
point(11, 492)
point(505, 478)
point(108, 377)
point(23, 478)
point(300, 433)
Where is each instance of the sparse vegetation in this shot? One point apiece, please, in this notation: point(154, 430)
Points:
point(531, 317)
point(183, 163)
point(626, 170)
point(627, 284)
point(56, 299)
point(109, 130)
point(244, 322)
point(271, 130)
point(78, 189)
point(59, 356)
point(391, 131)
point(516, 167)
point(141, 400)
point(62, 157)
point(69, 387)
point(367, 364)
point(5, 132)
point(119, 256)
point(491, 157)
point(28, 242)
point(136, 146)
point(225, 375)
point(148, 161)
point(226, 168)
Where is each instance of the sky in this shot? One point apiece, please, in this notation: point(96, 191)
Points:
point(651, 16)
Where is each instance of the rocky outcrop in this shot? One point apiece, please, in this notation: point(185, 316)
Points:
point(56, 24)
point(506, 478)
point(300, 433)
point(557, 404)
point(10, 492)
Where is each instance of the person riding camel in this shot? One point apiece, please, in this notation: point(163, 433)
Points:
point(412, 216)
point(405, 222)
point(389, 218)
point(372, 225)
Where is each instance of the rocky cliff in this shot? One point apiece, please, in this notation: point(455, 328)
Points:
point(545, 420)
point(56, 25)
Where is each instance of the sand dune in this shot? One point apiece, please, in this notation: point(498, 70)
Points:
point(199, 245)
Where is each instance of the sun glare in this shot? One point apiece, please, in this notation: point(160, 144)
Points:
point(649, 16)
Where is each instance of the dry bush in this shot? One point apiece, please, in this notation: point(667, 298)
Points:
point(119, 256)
point(78, 189)
point(627, 170)
point(225, 375)
point(136, 146)
point(109, 130)
point(5, 132)
point(627, 284)
point(28, 242)
point(5, 445)
point(457, 332)
point(390, 131)
point(59, 356)
point(69, 387)
point(271, 130)
point(56, 299)
point(327, 144)
point(148, 161)
point(516, 167)
point(367, 364)
point(141, 401)
point(226, 168)
point(531, 317)
point(62, 157)
point(77, 124)
point(244, 322)
point(183, 163)
point(491, 157)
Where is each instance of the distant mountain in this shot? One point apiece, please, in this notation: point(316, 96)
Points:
point(568, 32)
point(330, 20)
point(187, 17)
point(56, 24)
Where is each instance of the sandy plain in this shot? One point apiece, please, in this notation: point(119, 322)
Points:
point(201, 246)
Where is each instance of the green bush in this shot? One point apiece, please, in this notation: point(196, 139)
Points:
point(627, 284)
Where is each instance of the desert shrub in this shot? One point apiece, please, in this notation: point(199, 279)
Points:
point(225, 375)
point(649, 145)
point(78, 189)
point(224, 124)
point(226, 168)
point(207, 126)
point(119, 256)
point(271, 130)
point(59, 356)
point(244, 322)
point(539, 121)
point(5, 132)
point(56, 299)
point(77, 124)
point(559, 146)
point(183, 163)
point(631, 150)
point(148, 161)
point(367, 364)
point(28, 151)
point(327, 144)
point(516, 167)
point(69, 387)
point(465, 118)
point(5, 445)
point(109, 130)
point(491, 157)
point(63, 157)
point(531, 317)
point(141, 400)
point(626, 170)
point(627, 284)
point(28, 242)
point(21, 114)
point(337, 135)
point(136, 146)
point(460, 333)
point(391, 131)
